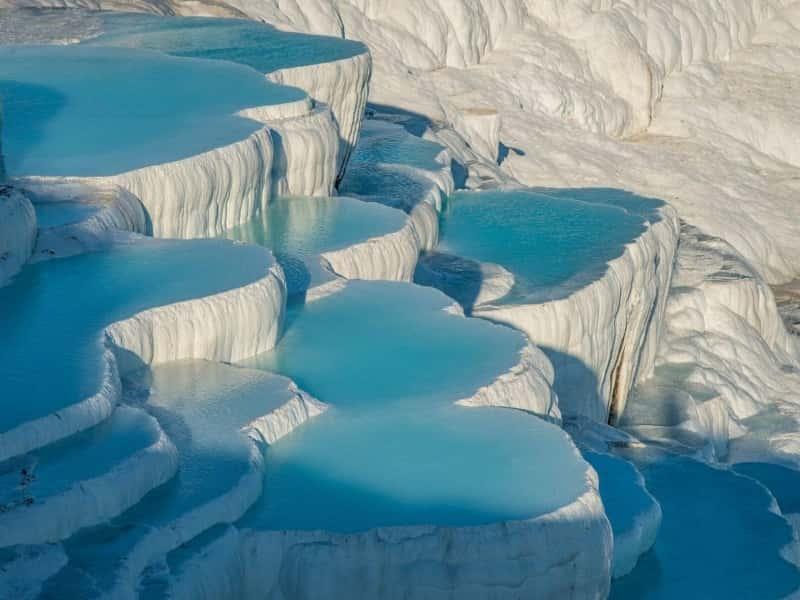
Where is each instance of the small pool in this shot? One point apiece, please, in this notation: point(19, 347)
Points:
point(91, 111)
point(376, 344)
point(388, 143)
point(450, 466)
point(299, 229)
point(551, 241)
point(54, 214)
point(250, 43)
point(389, 164)
point(54, 313)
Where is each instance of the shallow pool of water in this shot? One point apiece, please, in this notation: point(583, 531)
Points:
point(254, 44)
point(376, 344)
point(394, 449)
point(299, 229)
point(54, 313)
point(90, 111)
point(449, 466)
point(552, 241)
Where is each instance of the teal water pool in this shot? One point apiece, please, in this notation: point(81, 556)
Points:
point(54, 313)
point(91, 111)
point(551, 241)
point(298, 229)
point(394, 449)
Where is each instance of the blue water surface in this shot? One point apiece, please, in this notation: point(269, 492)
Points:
point(393, 449)
point(299, 229)
point(53, 313)
point(718, 538)
point(552, 241)
point(250, 43)
point(92, 111)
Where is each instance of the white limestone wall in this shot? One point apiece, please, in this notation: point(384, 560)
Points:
point(392, 256)
point(93, 501)
point(204, 195)
point(722, 321)
point(343, 86)
point(519, 558)
point(17, 231)
point(495, 560)
point(306, 154)
point(225, 327)
point(604, 334)
point(527, 386)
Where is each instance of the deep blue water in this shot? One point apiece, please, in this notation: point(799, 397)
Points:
point(718, 538)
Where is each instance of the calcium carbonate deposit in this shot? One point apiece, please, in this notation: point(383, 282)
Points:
point(310, 299)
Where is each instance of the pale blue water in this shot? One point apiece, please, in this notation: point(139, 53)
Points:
point(54, 312)
point(376, 344)
point(91, 111)
point(718, 538)
point(385, 165)
point(202, 406)
point(387, 143)
point(299, 229)
point(53, 214)
point(393, 449)
point(552, 241)
point(256, 45)
point(82, 457)
point(449, 466)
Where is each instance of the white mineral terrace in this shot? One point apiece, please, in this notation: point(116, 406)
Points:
point(425, 299)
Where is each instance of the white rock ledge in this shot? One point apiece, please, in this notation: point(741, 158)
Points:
point(562, 554)
point(527, 386)
point(94, 501)
point(390, 257)
point(121, 212)
point(604, 334)
point(225, 327)
point(343, 85)
point(17, 231)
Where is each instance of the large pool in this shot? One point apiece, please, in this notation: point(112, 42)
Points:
point(393, 449)
point(91, 111)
